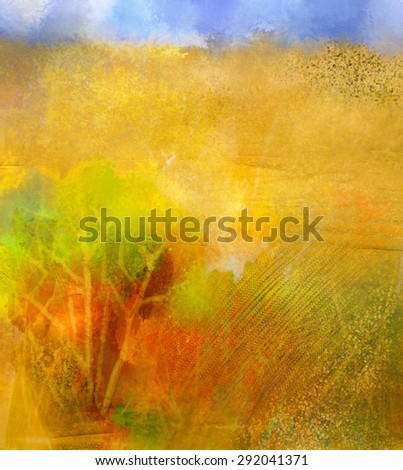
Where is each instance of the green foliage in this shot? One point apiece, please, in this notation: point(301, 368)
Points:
point(200, 296)
point(149, 430)
point(123, 416)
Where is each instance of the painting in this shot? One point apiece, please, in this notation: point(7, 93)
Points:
point(200, 224)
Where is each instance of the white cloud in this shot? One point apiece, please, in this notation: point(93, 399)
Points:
point(100, 9)
point(385, 22)
point(20, 16)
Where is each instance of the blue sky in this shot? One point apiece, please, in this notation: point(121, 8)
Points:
point(191, 21)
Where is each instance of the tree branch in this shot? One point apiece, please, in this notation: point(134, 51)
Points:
point(122, 358)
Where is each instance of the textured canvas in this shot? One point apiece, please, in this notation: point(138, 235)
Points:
point(201, 224)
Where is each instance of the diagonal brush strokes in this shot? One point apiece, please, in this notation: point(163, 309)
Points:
point(203, 108)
